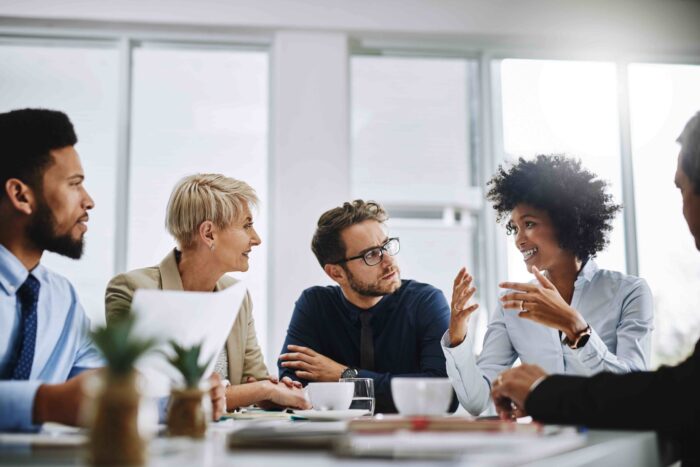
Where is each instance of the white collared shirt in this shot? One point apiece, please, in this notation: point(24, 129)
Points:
point(619, 309)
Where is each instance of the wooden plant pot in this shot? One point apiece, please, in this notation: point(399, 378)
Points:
point(114, 437)
point(186, 415)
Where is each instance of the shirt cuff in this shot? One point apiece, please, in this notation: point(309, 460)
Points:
point(536, 383)
point(458, 352)
point(593, 352)
point(17, 405)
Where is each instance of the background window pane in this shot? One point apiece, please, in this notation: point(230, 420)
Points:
point(662, 100)
point(410, 138)
point(571, 108)
point(411, 151)
point(82, 82)
point(197, 111)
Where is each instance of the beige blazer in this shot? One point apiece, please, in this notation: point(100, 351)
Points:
point(244, 355)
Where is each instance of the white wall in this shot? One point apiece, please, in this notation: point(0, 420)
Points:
point(603, 24)
point(310, 162)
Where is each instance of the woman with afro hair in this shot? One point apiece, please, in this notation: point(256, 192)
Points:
point(574, 317)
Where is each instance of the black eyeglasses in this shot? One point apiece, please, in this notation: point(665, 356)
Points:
point(374, 256)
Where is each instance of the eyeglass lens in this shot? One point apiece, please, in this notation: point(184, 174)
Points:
point(374, 256)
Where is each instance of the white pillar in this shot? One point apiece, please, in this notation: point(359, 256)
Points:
point(309, 167)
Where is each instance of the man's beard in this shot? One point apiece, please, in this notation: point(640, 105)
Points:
point(42, 232)
point(374, 289)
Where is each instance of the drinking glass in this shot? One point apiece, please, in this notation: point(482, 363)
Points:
point(363, 397)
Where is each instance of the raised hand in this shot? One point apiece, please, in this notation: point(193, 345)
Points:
point(543, 304)
point(461, 309)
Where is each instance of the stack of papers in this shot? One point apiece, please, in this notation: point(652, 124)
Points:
point(478, 448)
point(391, 423)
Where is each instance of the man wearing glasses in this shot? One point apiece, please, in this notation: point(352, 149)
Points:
point(372, 324)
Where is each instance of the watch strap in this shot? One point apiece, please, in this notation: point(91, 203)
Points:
point(349, 373)
point(580, 340)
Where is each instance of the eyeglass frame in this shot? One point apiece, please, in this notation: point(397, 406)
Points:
point(382, 249)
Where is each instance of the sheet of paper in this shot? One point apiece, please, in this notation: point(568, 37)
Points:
point(477, 448)
point(187, 318)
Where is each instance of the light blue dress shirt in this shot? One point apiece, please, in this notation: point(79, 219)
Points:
point(619, 309)
point(63, 345)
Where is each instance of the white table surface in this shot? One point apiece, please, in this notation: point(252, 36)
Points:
point(600, 448)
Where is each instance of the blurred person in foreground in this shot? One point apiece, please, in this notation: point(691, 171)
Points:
point(574, 317)
point(665, 400)
point(210, 217)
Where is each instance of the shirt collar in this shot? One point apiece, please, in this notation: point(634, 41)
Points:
point(12, 272)
point(589, 270)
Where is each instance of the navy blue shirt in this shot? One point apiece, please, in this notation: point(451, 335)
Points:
point(407, 326)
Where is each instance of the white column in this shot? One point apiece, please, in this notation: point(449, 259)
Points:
point(309, 166)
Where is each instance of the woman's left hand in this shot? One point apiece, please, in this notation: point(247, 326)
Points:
point(543, 304)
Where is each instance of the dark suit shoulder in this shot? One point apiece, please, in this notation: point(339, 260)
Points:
point(320, 294)
point(428, 297)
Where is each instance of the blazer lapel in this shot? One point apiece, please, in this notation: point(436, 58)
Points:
point(169, 274)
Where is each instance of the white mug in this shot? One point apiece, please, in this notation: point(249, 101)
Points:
point(421, 396)
point(330, 396)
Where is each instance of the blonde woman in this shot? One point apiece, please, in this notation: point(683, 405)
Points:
point(209, 215)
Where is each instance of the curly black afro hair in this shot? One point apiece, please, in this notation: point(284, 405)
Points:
point(575, 199)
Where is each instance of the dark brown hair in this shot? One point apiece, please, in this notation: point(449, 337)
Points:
point(326, 243)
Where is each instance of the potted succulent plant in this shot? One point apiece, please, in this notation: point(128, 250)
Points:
point(114, 436)
point(186, 415)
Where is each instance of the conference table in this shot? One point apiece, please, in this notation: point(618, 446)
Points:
point(555, 447)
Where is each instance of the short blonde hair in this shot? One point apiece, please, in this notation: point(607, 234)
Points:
point(206, 197)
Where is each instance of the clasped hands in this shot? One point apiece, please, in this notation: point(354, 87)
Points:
point(311, 365)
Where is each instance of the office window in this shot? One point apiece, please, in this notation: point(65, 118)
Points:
point(662, 100)
point(570, 108)
point(197, 111)
point(412, 151)
point(80, 80)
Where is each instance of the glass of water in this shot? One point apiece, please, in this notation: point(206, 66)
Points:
point(363, 397)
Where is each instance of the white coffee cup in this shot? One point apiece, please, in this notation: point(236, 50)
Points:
point(421, 396)
point(330, 396)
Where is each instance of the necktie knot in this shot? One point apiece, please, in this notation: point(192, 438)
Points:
point(365, 317)
point(28, 293)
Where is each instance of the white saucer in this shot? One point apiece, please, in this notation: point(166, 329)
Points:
point(330, 414)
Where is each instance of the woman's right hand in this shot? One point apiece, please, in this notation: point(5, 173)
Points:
point(284, 396)
point(460, 310)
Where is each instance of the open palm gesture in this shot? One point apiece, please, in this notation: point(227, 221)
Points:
point(544, 304)
point(461, 309)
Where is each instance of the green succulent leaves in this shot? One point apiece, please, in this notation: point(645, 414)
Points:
point(186, 361)
point(119, 348)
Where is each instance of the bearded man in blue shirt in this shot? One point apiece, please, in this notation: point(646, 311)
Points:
point(45, 344)
point(372, 324)
point(44, 331)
